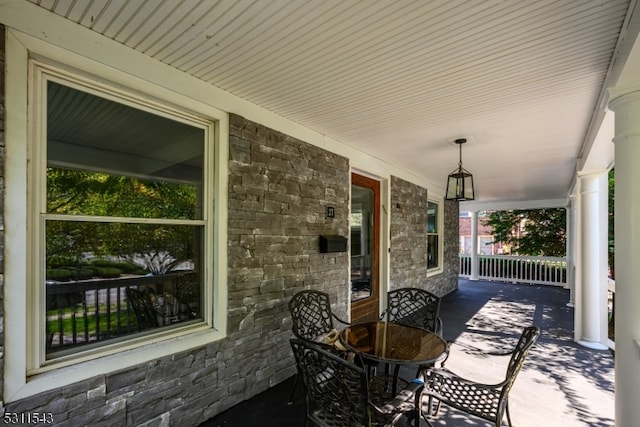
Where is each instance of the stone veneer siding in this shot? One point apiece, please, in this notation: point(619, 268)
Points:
point(409, 240)
point(408, 234)
point(279, 189)
point(447, 281)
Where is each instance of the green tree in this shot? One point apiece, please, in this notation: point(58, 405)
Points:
point(93, 194)
point(535, 232)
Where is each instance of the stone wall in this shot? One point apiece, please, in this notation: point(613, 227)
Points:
point(408, 234)
point(279, 190)
point(409, 240)
point(448, 281)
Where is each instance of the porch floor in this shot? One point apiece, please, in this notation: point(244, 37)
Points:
point(562, 384)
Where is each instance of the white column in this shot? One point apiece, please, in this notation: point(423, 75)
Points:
point(627, 267)
point(474, 246)
point(571, 249)
point(591, 318)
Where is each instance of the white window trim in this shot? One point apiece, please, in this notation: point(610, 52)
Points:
point(440, 215)
point(19, 350)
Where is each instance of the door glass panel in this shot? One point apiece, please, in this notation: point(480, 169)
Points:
point(362, 242)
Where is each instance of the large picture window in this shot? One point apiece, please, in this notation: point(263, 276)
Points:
point(122, 218)
point(116, 201)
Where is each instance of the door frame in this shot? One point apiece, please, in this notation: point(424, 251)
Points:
point(369, 308)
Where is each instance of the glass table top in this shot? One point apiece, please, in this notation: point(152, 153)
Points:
point(393, 342)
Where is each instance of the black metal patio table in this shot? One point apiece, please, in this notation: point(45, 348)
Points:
point(394, 343)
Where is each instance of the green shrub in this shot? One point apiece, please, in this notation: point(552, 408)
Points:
point(60, 274)
point(84, 273)
point(108, 272)
point(127, 267)
point(60, 261)
point(102, 263)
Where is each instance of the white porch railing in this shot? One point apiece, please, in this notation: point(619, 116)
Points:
point(518, 269)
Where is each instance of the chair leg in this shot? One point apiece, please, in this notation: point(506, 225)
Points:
point(438, 408)
point(293, 390)
point(426, 415)
point(421, 414)
point(508, 415)
point(429, 405)
point(394, 384)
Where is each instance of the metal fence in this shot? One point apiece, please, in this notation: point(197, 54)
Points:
point(91, 311)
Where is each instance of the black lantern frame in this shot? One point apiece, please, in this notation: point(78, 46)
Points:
point(460, 181)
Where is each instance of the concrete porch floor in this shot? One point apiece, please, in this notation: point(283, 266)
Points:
point(561, 384)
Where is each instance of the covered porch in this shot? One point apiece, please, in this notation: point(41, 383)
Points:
point(295, 98)
point(562, 383)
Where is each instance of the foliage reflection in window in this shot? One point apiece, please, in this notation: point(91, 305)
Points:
point(91, 193)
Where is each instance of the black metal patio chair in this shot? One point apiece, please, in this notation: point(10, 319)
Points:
point(146, 315)
point(414, 307)
point(311, 315)
point(312, 320)
point(187, 293)
point(337, 392)
point(487, 401)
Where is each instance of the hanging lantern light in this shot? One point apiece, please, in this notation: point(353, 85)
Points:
point(460, 181)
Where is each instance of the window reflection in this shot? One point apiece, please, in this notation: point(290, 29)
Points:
point(102, 284)
point(123, 222)
point(362, 229)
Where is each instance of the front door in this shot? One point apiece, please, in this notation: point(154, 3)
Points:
point(365, 236)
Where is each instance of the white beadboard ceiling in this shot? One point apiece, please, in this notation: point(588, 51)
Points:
point(400, 79)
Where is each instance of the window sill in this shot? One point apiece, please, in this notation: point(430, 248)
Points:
point(57, 377)
point(435, 271)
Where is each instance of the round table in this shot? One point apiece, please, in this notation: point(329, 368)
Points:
point(394, 343)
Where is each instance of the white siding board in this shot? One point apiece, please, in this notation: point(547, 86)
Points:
point(176, 29)
point(287, 36)
point(368, 73)
point(246, 42)
point(156, 19)
point(209, 29)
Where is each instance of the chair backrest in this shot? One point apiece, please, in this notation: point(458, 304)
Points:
point(529, 336)
point(146, 315)
point(311, 314)
point(336, 390)
point(487, 401)
point(413, 307)
point(187, 288)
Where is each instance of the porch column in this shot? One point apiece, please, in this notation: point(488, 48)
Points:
point(571, 249)
point(627, 247)
point(474, 246)
point(591, 289)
